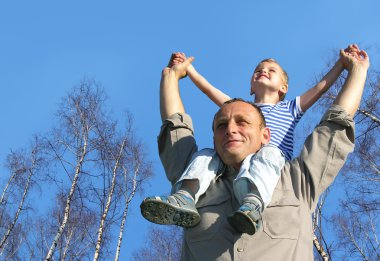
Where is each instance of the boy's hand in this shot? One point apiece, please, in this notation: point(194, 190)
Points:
point(180, 58)
point(352, 56)
point(177, 65)
point(176, 58)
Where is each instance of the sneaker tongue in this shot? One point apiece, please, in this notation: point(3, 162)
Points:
point(253, 206)
point(185, 194)
point(253, 202)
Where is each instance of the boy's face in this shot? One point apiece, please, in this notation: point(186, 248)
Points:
point(268, 75)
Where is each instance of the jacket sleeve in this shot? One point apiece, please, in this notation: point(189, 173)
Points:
point(323, 155)
point(176, 145)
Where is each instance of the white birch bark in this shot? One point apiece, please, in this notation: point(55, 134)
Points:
point(318, 246)
point(10, 228)
point(109, 199)
point(6, 188)
point(127, 201)
point(67, 244)
point(68, 201)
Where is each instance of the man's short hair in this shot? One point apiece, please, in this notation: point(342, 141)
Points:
point(258, 110)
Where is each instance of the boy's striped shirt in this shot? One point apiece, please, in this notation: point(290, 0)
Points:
point(282, 118)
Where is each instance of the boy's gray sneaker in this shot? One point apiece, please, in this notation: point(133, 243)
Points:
point(176, 209)
point(247, 219)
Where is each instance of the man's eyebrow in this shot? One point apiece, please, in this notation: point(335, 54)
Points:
point(243, 117)
point(221, 118)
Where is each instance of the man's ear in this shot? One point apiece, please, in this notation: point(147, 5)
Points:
point(265, 136)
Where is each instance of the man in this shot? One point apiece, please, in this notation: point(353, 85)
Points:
point(286, 232)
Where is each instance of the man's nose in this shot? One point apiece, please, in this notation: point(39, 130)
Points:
point(231, 128)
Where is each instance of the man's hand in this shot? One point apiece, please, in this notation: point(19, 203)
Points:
point(352, 57)
point(356, 61)
point(176, 58)
point(177, 65)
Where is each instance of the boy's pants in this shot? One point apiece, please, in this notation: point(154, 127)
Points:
point(262, 169)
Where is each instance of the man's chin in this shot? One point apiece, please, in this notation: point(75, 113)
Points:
point(232, 158)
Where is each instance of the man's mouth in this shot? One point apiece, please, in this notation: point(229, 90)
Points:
point(231, 142)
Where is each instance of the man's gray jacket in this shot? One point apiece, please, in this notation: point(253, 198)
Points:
point(286, 233)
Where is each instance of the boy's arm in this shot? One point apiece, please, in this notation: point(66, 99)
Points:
point(217, 96)
point(312, 95)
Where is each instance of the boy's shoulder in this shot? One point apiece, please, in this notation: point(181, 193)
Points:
point(285, 103)
point(280, 106)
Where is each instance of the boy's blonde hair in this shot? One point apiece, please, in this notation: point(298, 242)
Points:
point(284, 73)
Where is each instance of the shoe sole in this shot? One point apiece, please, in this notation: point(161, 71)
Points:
point(242, 223)
point(163, 213)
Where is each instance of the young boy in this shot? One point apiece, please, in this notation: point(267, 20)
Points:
point(259, 173)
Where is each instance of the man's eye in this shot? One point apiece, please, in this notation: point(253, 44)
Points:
point(242, 123)
point(221, 125)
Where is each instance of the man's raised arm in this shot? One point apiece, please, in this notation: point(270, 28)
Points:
point(175, 150)
point(326, 149)
point(356, 62)
point(170, 99)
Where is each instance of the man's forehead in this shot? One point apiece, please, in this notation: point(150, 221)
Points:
point(236, 108)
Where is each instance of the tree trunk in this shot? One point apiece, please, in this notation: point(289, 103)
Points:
point(18, 210)
point(320, 249)
point(6, 188)
point(109, 199)
point(127, 201)
point(68, 202)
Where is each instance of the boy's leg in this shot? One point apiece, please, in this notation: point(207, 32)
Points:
point(179, 208)
point(247, 219)
point(176, 209)
point(254, 186)
point(189, 187)
point(204, 166)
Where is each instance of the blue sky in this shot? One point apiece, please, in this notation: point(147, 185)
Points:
point(47, 47)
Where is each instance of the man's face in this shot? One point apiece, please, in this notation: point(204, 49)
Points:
point(237, 133)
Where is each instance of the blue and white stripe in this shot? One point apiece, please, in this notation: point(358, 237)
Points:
point(282, 118)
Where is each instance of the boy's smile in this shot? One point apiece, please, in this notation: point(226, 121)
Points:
point(262, 75)
point(268, 78)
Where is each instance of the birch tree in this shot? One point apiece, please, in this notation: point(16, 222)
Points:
point(124, 160)
point(97, 157)
point(78, 113)
point(161, 244)
point(134, 174)
point(23, 166)
point(87, 169)
point(118, 161)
